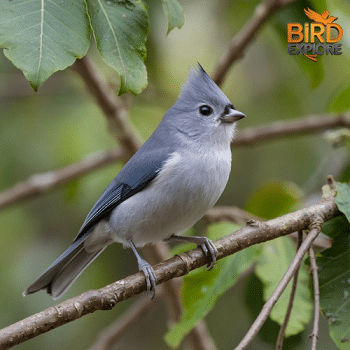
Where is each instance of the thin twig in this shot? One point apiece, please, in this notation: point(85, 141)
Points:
point(108, 297)
point(245, 36)
point(155, 254)
point(199, 338)
point(226, 213)
point(315, 226)
point(284, 325)
point(41, 183)
point(313, 270)
point(295, 127)
point(110, 335)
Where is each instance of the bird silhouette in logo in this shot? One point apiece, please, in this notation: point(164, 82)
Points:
point(324, 19)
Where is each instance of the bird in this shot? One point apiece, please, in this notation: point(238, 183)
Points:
point(175, 177)
point(320, 18)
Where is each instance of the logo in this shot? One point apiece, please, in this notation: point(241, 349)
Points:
point(319, 37)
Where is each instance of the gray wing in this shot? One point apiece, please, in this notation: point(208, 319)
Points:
point(137, 173)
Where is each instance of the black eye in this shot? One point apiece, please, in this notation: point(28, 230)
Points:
point(205, 110)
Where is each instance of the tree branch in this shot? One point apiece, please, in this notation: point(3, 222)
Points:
point(313, 270)
point(315, 229)
point(110, 335)
point(245, 36)
point(199, 337)
point(284, 325)
point(41, 183)
point(293, 127)
point(108, 297)
point(226, 213)
point(112, 107)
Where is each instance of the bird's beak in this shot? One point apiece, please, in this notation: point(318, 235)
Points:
point(231, 115)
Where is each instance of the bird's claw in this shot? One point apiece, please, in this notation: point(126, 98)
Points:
point(151, 279)
point(204, 243)
point(209, 251)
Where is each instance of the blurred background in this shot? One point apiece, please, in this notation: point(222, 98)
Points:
point(61, 124)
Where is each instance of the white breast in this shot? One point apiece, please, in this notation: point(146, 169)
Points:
point(186, 187)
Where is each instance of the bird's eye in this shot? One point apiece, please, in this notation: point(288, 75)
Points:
point(205, 110)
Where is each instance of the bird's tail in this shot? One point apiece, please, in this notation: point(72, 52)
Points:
point(65, 270)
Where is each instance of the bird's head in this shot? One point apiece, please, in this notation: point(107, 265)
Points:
point(202, 109)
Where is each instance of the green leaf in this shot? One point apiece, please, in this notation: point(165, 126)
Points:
point(274, 199)
point(201, 288)
point(174, 14)
point(273, 262)
point(334, 280)
point(345, 175)
point(120, 28)
point(340, 102)
point(43, 37)
point(335, 225)
point(342, 199)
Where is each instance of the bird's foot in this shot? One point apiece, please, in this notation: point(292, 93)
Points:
point(204, 243)
point(151, 279)
point(147, 269)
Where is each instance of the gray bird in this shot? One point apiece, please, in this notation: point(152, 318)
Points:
point(166, 187)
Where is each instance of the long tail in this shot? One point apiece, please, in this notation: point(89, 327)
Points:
point(64, 271)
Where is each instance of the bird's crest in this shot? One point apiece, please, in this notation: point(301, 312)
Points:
point(199, 86)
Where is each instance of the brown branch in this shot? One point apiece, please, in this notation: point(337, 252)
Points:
point(41, 183)
point(234, 214)
point(284, 325)
point(112, 107)
point(110, 335)
point(315, 229)
point(108, 297)
point(226, 213)
point(313, 270)
point(295, 127)
point(245, 36)
point(199, 337)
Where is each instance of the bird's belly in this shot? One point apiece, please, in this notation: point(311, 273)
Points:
point(167, 206)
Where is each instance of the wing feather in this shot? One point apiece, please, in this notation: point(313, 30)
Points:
point(134, 177)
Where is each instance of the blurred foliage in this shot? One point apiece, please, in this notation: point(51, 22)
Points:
point(274, 199)
point(61, 124)
point(334, 279)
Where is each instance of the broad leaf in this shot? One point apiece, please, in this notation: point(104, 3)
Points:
point(340, 102)
point(334, 280)
point(120, 28)
point(342, 199)
point(273, 262)
point(43, 37)
point(202, 288)
point(174, 14)
point(274, 199)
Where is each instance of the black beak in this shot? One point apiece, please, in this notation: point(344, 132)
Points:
point(231, 115)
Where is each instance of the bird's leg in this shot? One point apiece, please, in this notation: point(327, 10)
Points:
point(147, 269)
point(205, 243)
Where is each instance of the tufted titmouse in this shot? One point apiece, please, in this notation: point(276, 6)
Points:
point(166, 187)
